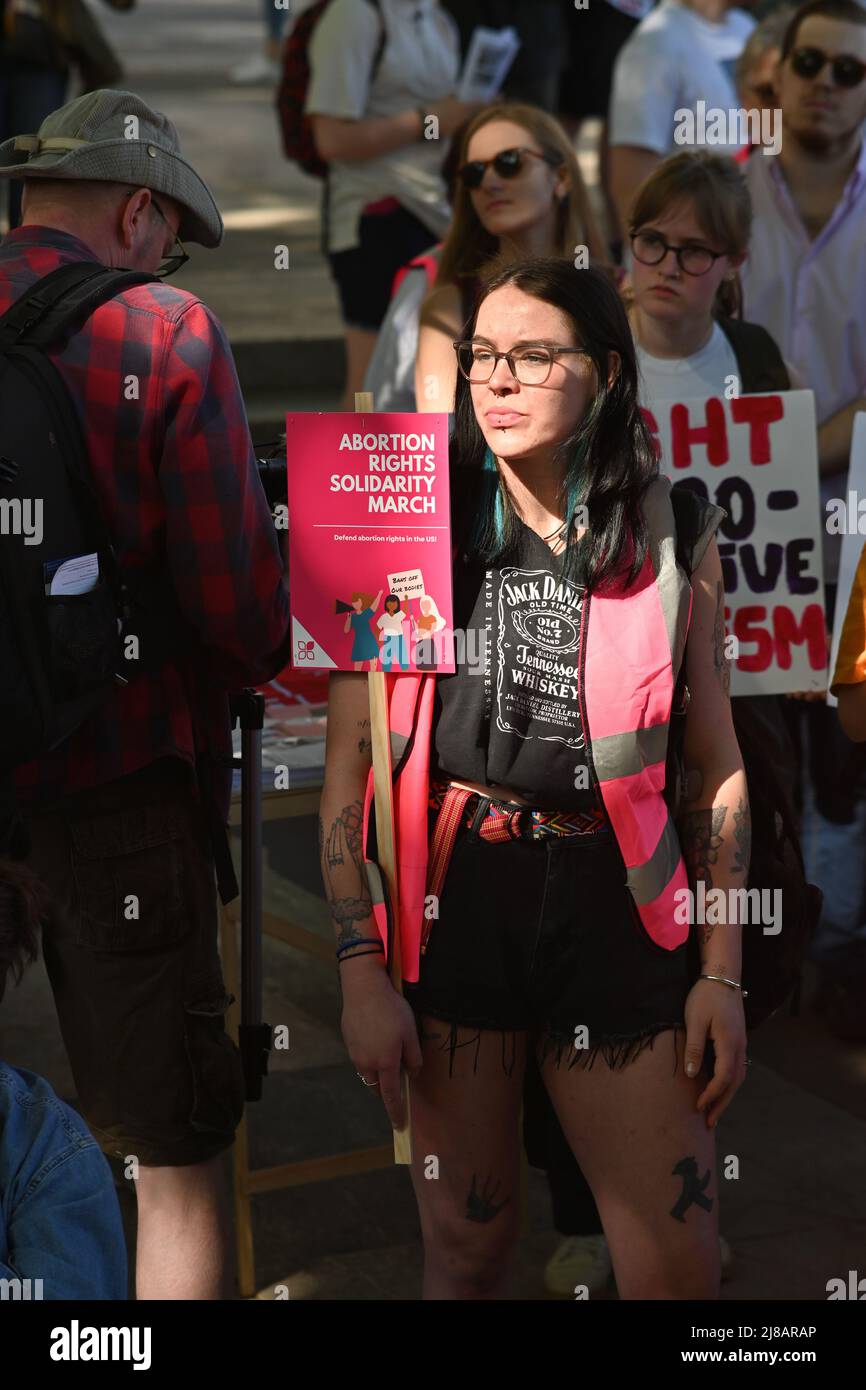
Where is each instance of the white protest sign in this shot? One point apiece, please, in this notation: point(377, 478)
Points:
point(406, 584)
point(846, 517)
point(756, 456)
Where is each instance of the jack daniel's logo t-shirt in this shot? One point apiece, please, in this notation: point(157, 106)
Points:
point(512, 714)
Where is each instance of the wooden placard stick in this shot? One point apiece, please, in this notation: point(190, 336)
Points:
point(384, 801)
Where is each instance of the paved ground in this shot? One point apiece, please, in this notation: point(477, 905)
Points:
point(796, 1216)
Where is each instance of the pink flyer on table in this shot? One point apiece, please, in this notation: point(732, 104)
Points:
point(370, 542)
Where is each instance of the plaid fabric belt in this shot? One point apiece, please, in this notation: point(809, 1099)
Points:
point(496, 821)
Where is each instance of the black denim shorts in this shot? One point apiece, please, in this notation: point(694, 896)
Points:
point(364, 275)
point(132, 954)
point(544, 937)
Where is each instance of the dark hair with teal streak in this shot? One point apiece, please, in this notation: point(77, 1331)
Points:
point(608, 460)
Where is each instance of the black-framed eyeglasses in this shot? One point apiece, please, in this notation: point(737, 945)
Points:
point(507, 164)
point(169, 264)
point(847, 71)
point(530, 364)
point(650, 249)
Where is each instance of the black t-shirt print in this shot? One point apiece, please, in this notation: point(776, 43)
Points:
point(511, 714)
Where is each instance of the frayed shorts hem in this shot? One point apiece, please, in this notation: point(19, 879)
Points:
point(617, 1050)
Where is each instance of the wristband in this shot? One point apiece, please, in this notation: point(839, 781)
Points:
point(359, 941)
point(371, 952)
point(734, 984)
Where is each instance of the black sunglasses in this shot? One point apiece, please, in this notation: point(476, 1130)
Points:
point(507, 164)
point(847, 71)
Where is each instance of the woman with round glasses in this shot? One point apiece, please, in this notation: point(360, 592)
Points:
point(689, 232)
point(538, 910)
point(519, 192)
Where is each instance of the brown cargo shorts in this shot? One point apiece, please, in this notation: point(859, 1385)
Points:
point(132, 954)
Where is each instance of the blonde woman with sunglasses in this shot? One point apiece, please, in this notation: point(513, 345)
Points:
point(519, 193)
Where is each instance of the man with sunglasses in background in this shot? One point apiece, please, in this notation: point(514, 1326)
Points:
point(116, 809)
point(805, 281)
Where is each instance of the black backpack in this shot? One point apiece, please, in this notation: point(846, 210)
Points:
point(60, 654)
point(772, 964)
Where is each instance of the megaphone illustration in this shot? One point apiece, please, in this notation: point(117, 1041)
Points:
point(341, 607)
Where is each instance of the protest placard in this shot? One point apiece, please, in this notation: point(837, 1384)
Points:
point(369, 542)
point(756, 456)
point(846, 517)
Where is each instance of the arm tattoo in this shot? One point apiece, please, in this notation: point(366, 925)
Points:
point(701, 839)
point(480, 1206)
point(364, 744)
point(743, 837)
point(720, 660)
point(343, 872)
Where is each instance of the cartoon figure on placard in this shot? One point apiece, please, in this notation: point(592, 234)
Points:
point(364, 646)
point(390, 625)
point(430, 621)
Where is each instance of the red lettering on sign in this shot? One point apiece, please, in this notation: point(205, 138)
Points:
point(748, 628)
point(758, 412)
point(788, 632)
point(713, 434)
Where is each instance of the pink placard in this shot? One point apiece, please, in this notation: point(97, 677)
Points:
point(370, 542)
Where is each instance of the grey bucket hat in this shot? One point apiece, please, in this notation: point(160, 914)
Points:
point(113, 136)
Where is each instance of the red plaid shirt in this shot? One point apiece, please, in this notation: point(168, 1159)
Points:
point(175, 474)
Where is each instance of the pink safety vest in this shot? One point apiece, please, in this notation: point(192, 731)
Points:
point(634, 642)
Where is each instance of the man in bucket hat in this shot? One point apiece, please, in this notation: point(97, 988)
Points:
point(116, 809)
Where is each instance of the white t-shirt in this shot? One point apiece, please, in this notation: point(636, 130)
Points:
point(685, 378)
point(419, 67)
point(674, 59)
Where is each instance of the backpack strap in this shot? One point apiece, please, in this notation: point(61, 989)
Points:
point(759, 361)
point(63, 299)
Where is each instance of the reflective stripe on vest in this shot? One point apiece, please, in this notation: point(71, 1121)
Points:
point(635, 640)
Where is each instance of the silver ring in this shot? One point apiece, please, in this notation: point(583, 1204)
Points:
point(366, 1083)
point(748, 1061)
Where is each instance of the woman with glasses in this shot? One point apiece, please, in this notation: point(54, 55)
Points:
point(689, 233)
point(541, 918)
point(519, 192)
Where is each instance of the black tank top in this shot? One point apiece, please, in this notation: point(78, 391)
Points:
point(512, 714)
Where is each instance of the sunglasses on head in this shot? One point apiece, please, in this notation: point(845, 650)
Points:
point(847, 71)
point(507, 164)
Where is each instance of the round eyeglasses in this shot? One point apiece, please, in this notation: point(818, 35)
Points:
point(650, 249)
point(530, 364)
